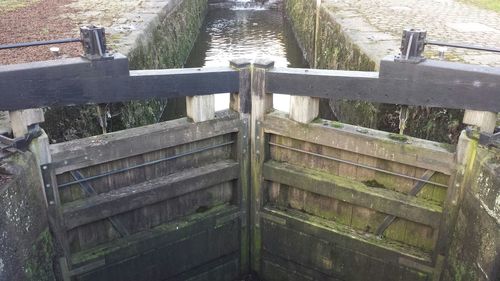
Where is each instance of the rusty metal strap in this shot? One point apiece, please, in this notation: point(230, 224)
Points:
point(389, 219)
point(90, 191)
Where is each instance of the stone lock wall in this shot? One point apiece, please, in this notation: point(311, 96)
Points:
point(474, 253)
point(26, 247)
point(334, 50)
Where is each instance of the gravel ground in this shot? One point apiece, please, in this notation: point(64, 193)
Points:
point(37, 21)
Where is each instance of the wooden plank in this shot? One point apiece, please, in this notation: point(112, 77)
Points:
point(383, 200)
point(90, 191)
point(150, 216)
point(346, 238)
point(95, 150)
point(79, 81)
point(226, 268)
point(430, 83)
point(261, 104)
point(316, 255)
point(241, 101)
point(165, 251)
point(412, 151)
point(278, 268)
point(132, 197)
point(144, 241)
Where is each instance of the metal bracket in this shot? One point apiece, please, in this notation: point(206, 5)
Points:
point(8, 145)
point(412, 46)
point(488, 139)
point(94, 43)
point(485, 139)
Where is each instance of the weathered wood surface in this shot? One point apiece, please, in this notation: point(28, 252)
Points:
point(200, 108)
point(303, 109)
point(415, 152)
point(150, 216)
point(261, 104)
point(430, 83)
point(242, 101)
point(95, 150)
point(277, 268)
point(186, 244)
point(79, 81)
point(295, 222)
point(132, 197)
point(486, 121)
point(353, 192)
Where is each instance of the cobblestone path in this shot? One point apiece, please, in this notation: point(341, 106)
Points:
point(379, 24)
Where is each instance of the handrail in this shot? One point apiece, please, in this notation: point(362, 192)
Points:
point(81, 81)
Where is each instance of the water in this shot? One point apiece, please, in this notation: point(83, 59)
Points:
point(246, 29)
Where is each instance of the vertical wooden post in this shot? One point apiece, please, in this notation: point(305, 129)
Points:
point(486, 121)
point(261, 104)
point(304, 109)
point(465, 157)
point(240, 102)
point(200, 108)
point(21, 119)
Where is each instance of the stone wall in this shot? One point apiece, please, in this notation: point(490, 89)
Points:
point(163, 40)
point(26, 248)
point(335, 50)
point(165, 43)
point(474, 253)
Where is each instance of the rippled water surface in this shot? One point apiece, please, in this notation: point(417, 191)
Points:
point(246, 29)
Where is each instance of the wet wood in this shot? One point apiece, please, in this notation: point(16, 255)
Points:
point(297, 222)
point(261, 104)
point(179, 241)
point(354, 192)
point(378, 144)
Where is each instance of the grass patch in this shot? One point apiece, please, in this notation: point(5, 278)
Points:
point(493, 5)
point(12, 5)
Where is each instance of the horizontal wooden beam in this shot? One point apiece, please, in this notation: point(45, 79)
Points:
point(430, 83)
point(388, 251)
point(415, 152)
point(95, 150)
point(274, 266)
point(356, 193)
point(128, 198)
point(188, 243)
point(79, 81)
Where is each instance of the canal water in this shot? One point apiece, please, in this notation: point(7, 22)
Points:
point(246, 29)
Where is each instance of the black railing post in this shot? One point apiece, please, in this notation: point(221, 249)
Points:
point(412, 46)
point(94, 42)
